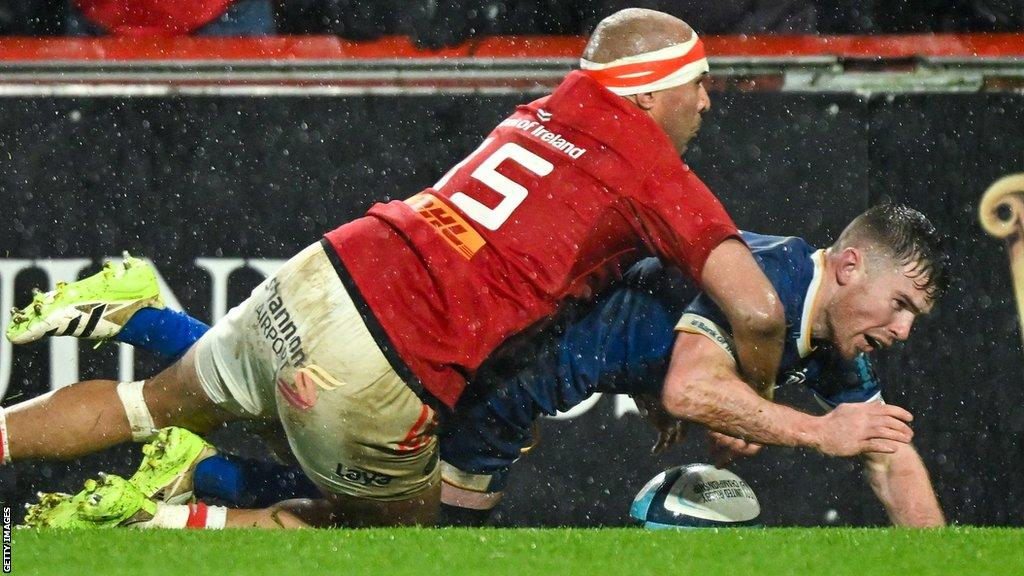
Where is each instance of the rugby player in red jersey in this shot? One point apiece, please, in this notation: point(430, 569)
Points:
point(363, 341)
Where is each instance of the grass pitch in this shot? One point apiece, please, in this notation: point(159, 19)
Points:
point(521, 552)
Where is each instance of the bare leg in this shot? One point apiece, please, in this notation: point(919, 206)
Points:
point(89, 416)
point(76, 420)
point(344, 511)
point(286, 515)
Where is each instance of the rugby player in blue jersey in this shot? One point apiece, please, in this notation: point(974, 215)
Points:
point(841, 303)
point(861, 294)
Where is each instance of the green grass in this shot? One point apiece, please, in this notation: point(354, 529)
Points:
point(523, 552)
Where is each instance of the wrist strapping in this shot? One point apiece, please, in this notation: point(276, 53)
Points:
point(195, 516)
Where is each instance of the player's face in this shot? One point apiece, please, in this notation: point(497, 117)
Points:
point(878, 308)
point(678, 110)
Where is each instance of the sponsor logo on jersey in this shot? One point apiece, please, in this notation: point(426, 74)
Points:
point(695, 324)
point(543, 115)
point(354, 475)
point(541, 132)
point(448, 223)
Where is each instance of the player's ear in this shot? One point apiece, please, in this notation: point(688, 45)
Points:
point(645, 100)
point(850, 264)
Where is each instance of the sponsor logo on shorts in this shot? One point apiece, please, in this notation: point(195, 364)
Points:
point(354, 475)
point(447, 222)
point(275, 323)
point(302, 391)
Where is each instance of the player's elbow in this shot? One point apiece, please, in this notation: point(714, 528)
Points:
point(760, 316)
point(683, 396)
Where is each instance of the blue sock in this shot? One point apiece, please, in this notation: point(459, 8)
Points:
point(239, 481)
point(162, 331)
point(248, 483)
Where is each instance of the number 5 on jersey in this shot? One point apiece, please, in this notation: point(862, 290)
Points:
point(512, 192)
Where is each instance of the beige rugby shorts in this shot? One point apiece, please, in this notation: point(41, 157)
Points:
point(298, 350)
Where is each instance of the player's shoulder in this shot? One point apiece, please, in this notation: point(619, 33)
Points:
point(782, 247)
point(787, 261)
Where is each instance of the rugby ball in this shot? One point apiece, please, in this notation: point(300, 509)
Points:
point(695, 496)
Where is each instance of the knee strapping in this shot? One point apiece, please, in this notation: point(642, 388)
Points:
point(139, 418)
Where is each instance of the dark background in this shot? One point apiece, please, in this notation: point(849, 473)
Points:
point(185, 177)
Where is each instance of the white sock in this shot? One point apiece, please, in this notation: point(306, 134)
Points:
point(139, 418)
point(5, 449)
point(178, 516)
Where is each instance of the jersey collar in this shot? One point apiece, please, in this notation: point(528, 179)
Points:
point(803, 344)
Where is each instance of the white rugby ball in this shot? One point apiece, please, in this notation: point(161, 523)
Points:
point(695, 496)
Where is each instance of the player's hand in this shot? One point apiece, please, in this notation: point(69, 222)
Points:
point(671, 431)
point(669, 436)
point(853, 429)
point(725, 449)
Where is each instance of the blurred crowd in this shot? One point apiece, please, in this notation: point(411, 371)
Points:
point(436, 23)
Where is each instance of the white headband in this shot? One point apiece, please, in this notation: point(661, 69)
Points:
point(651, 71)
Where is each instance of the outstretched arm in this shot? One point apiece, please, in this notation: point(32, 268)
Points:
point(732, 278)
point(704, 386)
point(900, 480)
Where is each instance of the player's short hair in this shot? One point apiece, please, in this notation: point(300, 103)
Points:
point(906, 236)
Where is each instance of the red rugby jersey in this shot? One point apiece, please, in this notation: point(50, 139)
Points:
point(152, 17)
point(556, 202)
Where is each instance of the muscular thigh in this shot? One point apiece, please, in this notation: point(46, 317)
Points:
point(176, 397)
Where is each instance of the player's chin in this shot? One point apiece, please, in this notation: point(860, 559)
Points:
point(849, 349)
point(694, 132)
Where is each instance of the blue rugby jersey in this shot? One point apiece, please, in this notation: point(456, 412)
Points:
point(621, 345)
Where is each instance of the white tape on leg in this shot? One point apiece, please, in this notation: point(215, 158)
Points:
point(196, 516)
point(139, 418)
point(216, 517)
point(167, 516)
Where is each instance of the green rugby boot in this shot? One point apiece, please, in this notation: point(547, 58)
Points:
point(112, 501)
point(55, 510)
point(169, 464)
point(96, 307)
point(105, 503)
